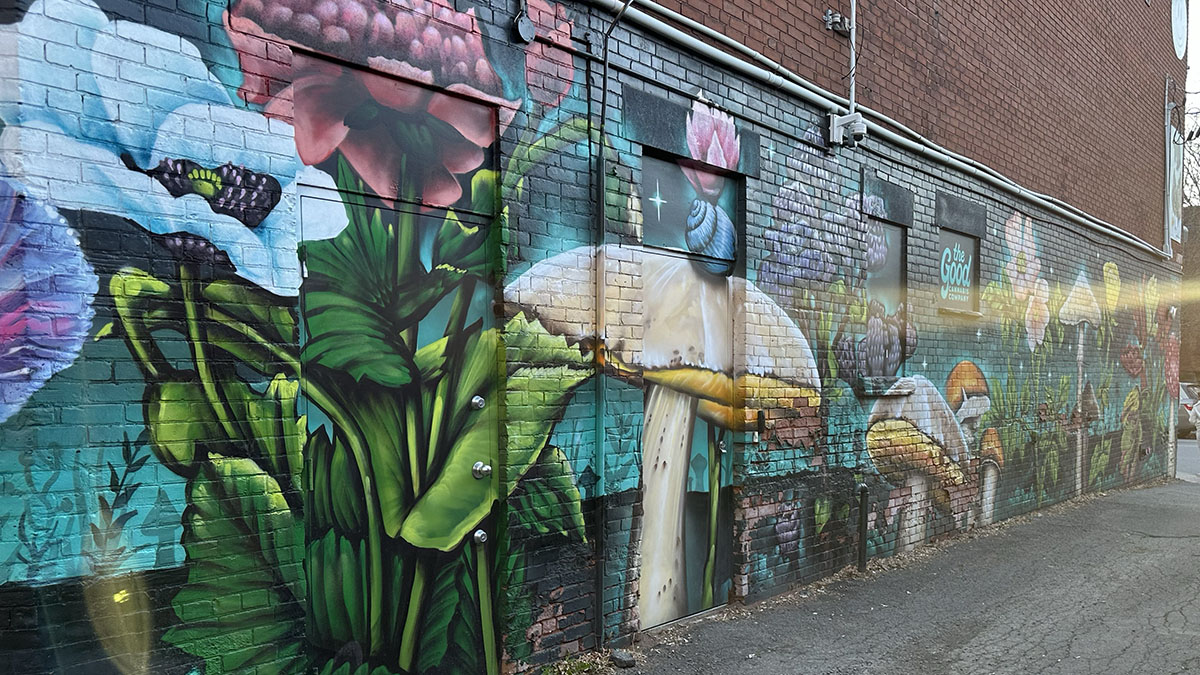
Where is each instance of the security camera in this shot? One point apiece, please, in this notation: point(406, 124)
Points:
point(848, 130)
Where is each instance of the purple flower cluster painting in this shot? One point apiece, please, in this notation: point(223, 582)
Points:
point(46, 291)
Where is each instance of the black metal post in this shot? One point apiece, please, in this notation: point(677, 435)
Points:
point(863, 494)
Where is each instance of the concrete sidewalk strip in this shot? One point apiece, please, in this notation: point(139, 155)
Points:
point(1106, 584)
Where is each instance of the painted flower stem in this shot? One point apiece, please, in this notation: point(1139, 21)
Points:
point(486, 621)
point(412, 617)
point(150, 359)
point(446, 385)
point(197, 340)
point(714, 498)
point(412, 426)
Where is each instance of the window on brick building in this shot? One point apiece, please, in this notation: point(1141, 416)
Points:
point(885, 345)
point(688, 207)
point(961, 223)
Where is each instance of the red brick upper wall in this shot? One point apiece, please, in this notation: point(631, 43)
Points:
point(1064, 97)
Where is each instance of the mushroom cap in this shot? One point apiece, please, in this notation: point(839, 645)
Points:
point(686, 319)
point(964, 381)
point(687, 338)
point(560, 291)
point(991, 447)
point(1080, 305)
point(926, 410)
point(775, 346)
point(973, 408)
point(900, 450)
point(687, 314)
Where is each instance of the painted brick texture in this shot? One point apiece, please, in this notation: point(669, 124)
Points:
point(1049, 96)
point(333, 362)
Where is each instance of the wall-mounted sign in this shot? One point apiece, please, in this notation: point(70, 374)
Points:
point(962, 224)
point(1174, 192)
point(958, 268)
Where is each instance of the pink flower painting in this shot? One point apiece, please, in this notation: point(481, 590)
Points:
point(1023, 267)
point(436, 115)
point(711, 138)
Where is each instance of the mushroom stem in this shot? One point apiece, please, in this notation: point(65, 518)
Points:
point(716, 444)
point(990, 482)
point(666, 448)
point(1082, 430)
point(912, 522)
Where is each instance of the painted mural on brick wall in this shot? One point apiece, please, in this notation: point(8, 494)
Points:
point(314, 420)
point(683, 358)
point(1068, 391)
point(288, 390)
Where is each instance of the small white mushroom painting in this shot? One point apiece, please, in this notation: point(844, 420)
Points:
point(916, 443)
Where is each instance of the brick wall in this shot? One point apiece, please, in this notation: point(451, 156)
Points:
point(328, 365)
point(1049, 96)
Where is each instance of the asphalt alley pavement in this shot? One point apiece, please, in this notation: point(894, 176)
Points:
point(1109, 585)
point(1188, 465)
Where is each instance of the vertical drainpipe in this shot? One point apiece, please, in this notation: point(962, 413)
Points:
point(1168, 107)
point(853, 50)
point(601, 225)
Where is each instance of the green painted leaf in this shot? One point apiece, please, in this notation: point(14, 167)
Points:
point(534, 397)
point(444, 602)
point(365, 288)
point(451, 629)
point(336, 667)
point(456, 501)
point(379, 413)
point(535, 400)
point(822, 509)
point(243, 603)
point(548, 500)
point(270, 426)
point(430, 359)
point(459, 246)
point(517, 606)
point(337, 590)
point(181, 423)
point(529, 343)
point(255, 307)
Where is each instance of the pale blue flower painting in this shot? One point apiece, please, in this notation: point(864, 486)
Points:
point(102, 133)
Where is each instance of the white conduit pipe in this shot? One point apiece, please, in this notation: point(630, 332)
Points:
point(775, 75)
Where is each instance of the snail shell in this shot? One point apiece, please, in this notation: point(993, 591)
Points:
point(711, 233)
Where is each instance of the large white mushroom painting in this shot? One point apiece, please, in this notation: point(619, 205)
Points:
point(685, 360)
